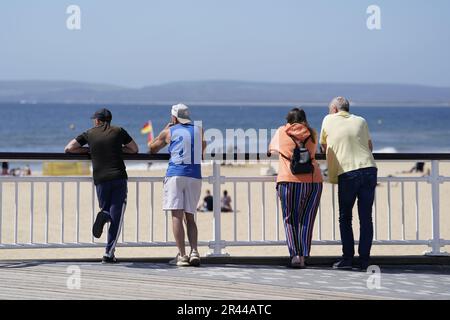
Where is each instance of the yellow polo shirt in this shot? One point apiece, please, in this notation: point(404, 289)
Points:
point(347, 139)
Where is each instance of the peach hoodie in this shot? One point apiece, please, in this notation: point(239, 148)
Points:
point(282, 143)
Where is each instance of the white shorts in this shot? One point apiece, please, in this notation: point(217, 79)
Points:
point(182, 193)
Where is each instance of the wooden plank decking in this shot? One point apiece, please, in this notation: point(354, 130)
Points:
point(29, 281)
point(150, 280)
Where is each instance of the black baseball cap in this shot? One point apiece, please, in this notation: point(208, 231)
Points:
point(102, 115)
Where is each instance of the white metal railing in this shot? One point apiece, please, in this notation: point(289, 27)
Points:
point(58, 212)
point(433, 240)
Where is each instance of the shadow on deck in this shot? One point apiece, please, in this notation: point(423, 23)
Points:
point(224, 278)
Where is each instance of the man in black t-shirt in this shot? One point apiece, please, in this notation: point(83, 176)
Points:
point(107, 144)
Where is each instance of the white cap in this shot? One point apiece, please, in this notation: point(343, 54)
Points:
point(181, 112)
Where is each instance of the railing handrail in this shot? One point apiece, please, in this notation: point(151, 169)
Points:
point(212, 156)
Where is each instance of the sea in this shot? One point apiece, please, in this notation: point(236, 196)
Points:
point(48, 127)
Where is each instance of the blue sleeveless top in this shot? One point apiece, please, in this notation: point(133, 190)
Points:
point(185, 151)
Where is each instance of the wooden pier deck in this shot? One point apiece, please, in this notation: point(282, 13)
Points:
point(143, 280)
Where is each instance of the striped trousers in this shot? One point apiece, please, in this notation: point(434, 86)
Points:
point(299, 203)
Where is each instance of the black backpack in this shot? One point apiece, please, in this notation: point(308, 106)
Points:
point(301, 161)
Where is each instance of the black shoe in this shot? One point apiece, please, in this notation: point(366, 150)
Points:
point(362, 266)
point(343, 265)
point(109, 260)
point(100, 221)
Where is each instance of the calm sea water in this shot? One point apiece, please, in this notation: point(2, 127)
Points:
point(48, 127)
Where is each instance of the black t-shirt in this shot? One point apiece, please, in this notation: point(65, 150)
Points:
point(105, 144)
point(209, 203)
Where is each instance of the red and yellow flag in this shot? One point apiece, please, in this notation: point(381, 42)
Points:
point(148, 129)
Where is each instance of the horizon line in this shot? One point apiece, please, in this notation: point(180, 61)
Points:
point(365, 104)
point(229, 81)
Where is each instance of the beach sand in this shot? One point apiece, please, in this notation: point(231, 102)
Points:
point(260, 220)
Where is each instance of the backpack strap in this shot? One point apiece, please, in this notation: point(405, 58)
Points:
point(296, 145)
point(303, 144)
point(304, 141)
point(295, 142)
point(288, 159)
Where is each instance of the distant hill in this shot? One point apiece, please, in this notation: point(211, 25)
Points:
point(220, 92)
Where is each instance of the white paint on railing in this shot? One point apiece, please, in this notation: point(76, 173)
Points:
point(319, 220)
point(1, 211)
point(166, 226)
point(263, 205)
point(47, 209)
point(235, 212)
point(375, 217)
point(62, 211)
point(417, 211)
point(333, 220)
point(277, 219)
point(435, 181)
point(217, 180)
point(93, 209)
point(249, 199)
point(77, 228)
point(31, 211)
point(403, 208)
point(16, 219)
point(389, 210)
point(137, 211)
point(152, 209)
point(122, 228)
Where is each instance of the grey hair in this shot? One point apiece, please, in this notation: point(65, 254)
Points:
point(341, 103)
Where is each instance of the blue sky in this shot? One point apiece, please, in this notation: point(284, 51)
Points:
point(145, 42)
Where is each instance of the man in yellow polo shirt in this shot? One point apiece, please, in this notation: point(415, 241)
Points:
point(346, 141)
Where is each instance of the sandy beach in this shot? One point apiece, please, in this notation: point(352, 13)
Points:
point(260, 219)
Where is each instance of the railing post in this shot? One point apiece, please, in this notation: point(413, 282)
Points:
point(217, 244)
point(435, 181)
point(1, 211)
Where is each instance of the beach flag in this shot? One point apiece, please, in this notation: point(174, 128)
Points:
point(148, 129)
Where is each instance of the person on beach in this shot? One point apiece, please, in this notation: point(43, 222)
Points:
point(346, 141)
point(5, 168)
point(299, 193)
point(26, 170)
point(207, 204)
point(183, 181)
point(107, 144)
point(418, 167)
point(225, 202)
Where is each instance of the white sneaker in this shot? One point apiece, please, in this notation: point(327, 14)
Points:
point(297, 263)
point(194, 258)
point(180, 261)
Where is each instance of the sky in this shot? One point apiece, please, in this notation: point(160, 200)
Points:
point(136, 43)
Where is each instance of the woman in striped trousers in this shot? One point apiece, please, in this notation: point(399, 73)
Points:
point(299, 194)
